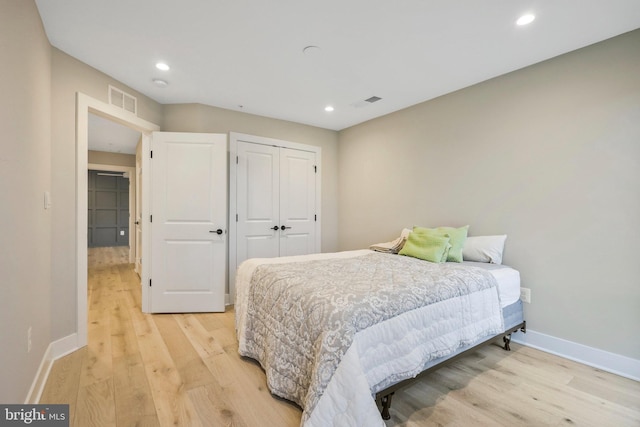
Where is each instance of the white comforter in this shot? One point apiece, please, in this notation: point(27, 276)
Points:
point(411, 340)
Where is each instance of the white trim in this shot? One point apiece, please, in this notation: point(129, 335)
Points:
point(131, 170)
point(64, 346)
point(234, 137)
point(145, 214)
point(55, 351)
point(84, 105)
point(604, 360)
point(40, 380)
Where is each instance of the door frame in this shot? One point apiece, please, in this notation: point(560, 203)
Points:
point(85, 105)
point(132, 198)
point(234, 138)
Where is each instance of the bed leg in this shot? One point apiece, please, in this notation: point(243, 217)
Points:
point(507, 340)
point(386, 404)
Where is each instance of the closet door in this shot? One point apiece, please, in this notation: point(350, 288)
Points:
point(274, 200)
point(258, 201)
point(297, 202)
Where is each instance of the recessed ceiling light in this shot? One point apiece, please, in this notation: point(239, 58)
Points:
point(525, 19)
point(328, 108)
point(160, 83)
point(162, 66)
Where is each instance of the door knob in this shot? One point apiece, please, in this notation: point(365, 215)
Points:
point(274, 228)
point(284, 228)
point(218, 231)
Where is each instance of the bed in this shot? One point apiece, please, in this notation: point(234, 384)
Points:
point(339, 333)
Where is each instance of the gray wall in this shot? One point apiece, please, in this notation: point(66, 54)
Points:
point(549, 155)
point(25, 174)
point(204, 118)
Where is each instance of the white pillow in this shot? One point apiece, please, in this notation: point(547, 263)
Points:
point(484, 249)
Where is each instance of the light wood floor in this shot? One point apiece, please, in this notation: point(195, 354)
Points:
point(184, 370)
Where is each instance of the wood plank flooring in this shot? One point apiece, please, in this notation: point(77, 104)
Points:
point(184, 370)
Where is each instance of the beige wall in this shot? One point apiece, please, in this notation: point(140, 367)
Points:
point(68, 77)
point(25, 175)
point(112, 159)
point(549, 155)
point(204, 118)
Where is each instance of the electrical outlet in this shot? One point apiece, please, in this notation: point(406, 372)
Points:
point(29, 340)
point(122, 232)
point(525, 295)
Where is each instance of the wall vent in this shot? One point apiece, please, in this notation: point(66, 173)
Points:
point(373, 99)
point(123, 100)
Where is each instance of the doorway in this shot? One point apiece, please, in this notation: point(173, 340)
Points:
point(85, 107)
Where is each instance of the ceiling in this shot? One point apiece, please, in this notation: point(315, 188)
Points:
point(106, 135)
point(248, 55)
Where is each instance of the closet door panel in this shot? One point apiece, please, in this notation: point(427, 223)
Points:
point(297, 202)
point(258, 188)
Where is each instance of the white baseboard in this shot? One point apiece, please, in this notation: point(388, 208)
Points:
point(604, 360)
point(55, 350)
point(40, 379)
point(64, 346)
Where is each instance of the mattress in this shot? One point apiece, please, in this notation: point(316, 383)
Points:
point(508, 281)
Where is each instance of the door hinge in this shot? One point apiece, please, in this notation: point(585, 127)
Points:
point(236, 160)
point(236, 217)
point(151, 153)
point(150, 218)
point(149, 282)
point(315, 217)
point(315, 169)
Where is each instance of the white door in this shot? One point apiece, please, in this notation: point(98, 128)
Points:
point(297, 202)
point(188, 222)
point(258, 192)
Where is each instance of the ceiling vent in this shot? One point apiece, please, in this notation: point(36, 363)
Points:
point(123, 100)
point(366, 102)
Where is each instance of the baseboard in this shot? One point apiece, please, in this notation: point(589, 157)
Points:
point(55, 350)
point(64, 346)
point(40, 379)
point(600, 359)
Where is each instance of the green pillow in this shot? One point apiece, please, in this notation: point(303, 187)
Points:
point(429, 247)
point(457, 238)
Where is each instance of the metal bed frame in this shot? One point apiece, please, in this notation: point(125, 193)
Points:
point(383, 398)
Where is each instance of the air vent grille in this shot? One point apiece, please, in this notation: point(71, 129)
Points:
point(123, 100)
point(366, 102)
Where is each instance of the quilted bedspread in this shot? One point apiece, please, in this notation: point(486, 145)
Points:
point(300, 320)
